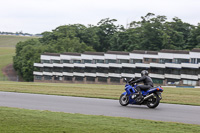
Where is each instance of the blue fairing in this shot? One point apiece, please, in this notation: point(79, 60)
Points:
point(129, 91)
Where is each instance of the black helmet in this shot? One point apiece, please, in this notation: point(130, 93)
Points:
point(144, 72)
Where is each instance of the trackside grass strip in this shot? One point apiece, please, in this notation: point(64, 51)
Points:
point(188, 96)
point(14, 120)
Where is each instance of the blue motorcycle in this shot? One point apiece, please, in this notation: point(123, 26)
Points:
point(151, 97)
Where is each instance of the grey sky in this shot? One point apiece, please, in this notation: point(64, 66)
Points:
point(36, 16)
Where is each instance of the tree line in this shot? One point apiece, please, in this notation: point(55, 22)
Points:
point(150, 33)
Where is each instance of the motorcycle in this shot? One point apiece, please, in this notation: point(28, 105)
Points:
point(151, 97)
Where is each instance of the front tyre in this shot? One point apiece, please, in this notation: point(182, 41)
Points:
point(154, 101)
point(123, 100)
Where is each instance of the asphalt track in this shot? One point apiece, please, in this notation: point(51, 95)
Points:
point(92, 106)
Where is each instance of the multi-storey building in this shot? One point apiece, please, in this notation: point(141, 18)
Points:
point(166, 67)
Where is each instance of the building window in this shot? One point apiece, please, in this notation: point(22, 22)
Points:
point(190, 82)
point(120, 61)
point(68, 69)
point(57, 69)
point(114, 70)
point(57, 78)
point(163, 61)
point(110, 61)
point(102, 79)
point(87, 61)
point(79, 69)
point(90, 70)
point(38, 77)
point(66, 61)
point(98, 61)
point(173, 81)
point(179, 61)
point(47, 77)
point(76, 61)
point(189, 71)
point(78, 78)
point(47, 69)
point(45, 61)
point(55, 61)
point(154, 60)
point(157, 81)
point(116, 80)
point(68, 78)
point(172, 71)
point(146, 59)
point(133, 61)
point(102, 70)
point(90, 79)
point(157, 70)
point(127, 70)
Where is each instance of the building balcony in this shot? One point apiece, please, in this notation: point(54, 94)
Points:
point(48, 73)
point(128, 65)
point(68, 74)
point(172, 65)
point(101, 74)
point(78, 74)
point(38, 65)
point(157, 65)
point(115, 65)
point(186, 76)
point(37, 73)
point(90, 74)
point(189, 65)
point(172, 76)
point(127, 75)
point(114, 75)
point(47, 65)
point(57, 65)
point(57, 73)
point(159, 76)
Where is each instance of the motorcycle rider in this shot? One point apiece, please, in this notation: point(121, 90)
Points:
point(148, 83)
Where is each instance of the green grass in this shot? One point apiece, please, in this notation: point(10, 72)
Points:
point(11, 41)
point(14, 120)
point(6, 57)
point(188, 96)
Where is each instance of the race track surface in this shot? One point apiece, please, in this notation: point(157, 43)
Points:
point(92, 106)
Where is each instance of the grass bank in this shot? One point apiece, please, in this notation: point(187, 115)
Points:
point(30, 121)
point(188, 96)
point(6, 57)
point(11, 40)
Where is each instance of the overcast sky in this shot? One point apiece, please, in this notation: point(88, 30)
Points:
point(37, 16)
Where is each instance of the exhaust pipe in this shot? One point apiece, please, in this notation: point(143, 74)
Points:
point(147, 97)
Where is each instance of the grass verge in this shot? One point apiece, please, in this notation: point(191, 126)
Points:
point(14, 120)
point(188, 96)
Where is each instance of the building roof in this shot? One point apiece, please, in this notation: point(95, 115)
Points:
point(174, 51)
point(144, 52)
point(51, 54)
point(195, 50)
point(71, 53)
point(117, 52)
point(94, 53)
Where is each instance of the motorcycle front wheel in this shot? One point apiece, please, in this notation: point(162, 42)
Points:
point(154, 101)
point(123, 100)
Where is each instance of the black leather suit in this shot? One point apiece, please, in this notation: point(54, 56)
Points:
point(148, 83)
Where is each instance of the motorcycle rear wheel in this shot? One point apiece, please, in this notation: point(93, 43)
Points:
point(124, 100)
point(154, 101)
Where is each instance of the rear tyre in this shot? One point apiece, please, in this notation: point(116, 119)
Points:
point(123, 100)
point(154, 101)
